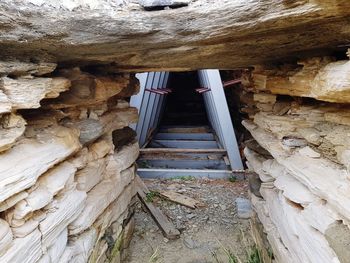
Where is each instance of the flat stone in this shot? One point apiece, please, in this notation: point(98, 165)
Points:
point(309, 152)
point(293, 141)
point(244, 208)
point(190, 243)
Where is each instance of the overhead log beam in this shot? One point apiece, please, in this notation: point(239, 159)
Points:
point(202, 35)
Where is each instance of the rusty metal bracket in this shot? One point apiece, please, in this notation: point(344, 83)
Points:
point(202, 90)
point(158, 91)
point(231, 82)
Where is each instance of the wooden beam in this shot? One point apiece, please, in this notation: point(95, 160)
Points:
point(162, 221)
point(181, 199)
point(173, 173)
point(178, 150)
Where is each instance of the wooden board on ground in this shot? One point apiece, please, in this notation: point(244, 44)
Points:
point(181, 199)
point(162, 221)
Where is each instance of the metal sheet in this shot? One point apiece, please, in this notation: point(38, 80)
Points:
point(220, 115)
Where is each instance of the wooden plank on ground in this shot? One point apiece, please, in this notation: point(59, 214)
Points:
point(181, 199)
point(162, 221)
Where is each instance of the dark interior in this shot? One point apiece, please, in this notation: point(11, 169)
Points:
point(184, 105)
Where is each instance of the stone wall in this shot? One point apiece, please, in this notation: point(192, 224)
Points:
point(67, 179)
point(300, 155)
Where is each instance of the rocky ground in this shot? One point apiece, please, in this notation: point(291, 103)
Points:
point(206, 232)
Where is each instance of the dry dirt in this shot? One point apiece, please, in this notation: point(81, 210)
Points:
point(204, 231)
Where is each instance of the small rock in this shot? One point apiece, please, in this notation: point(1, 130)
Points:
point(179, 217)
point(292, 141)
point(173, 187)
point(190, 243)
point(165, 240)
point(205, 218)
point(225, 220)
point(223, 207)
point(152, 4)
point(244, 208)
point(190, 216)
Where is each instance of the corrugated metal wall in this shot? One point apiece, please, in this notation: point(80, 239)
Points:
point(150, 105)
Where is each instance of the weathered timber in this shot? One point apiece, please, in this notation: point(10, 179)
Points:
point(180, 199)
point(166, 226)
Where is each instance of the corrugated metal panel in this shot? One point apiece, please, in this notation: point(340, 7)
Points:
point(149, 104)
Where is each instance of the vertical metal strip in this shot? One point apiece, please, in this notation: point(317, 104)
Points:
point(221, 116)
point(148, 105)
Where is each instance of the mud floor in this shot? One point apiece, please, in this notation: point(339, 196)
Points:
point(208, 233)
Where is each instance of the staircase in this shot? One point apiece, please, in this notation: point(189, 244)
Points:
point(184, 152)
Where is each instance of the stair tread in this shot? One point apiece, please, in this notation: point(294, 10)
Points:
point(180, 150)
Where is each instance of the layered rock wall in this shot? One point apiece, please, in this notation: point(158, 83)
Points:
point(301, 157)
point(67, 181)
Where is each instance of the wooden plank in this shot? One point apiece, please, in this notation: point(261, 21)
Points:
point(187, 163)
point(181, 199)
point(185, 136)
point(182, 156)
point(162, 221)
point(184, 144)
point(185, 129)
point(153, 173)
point(179, 150)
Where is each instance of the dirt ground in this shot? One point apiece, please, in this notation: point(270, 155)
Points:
point(206, 232)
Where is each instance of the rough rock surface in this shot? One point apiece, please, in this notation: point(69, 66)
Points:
point(54, 172)
point(304, 180)
point(205, 34)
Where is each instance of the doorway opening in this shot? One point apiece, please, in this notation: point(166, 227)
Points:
point(185, 128)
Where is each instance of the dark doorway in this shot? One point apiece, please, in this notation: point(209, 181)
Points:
point(184, 105)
